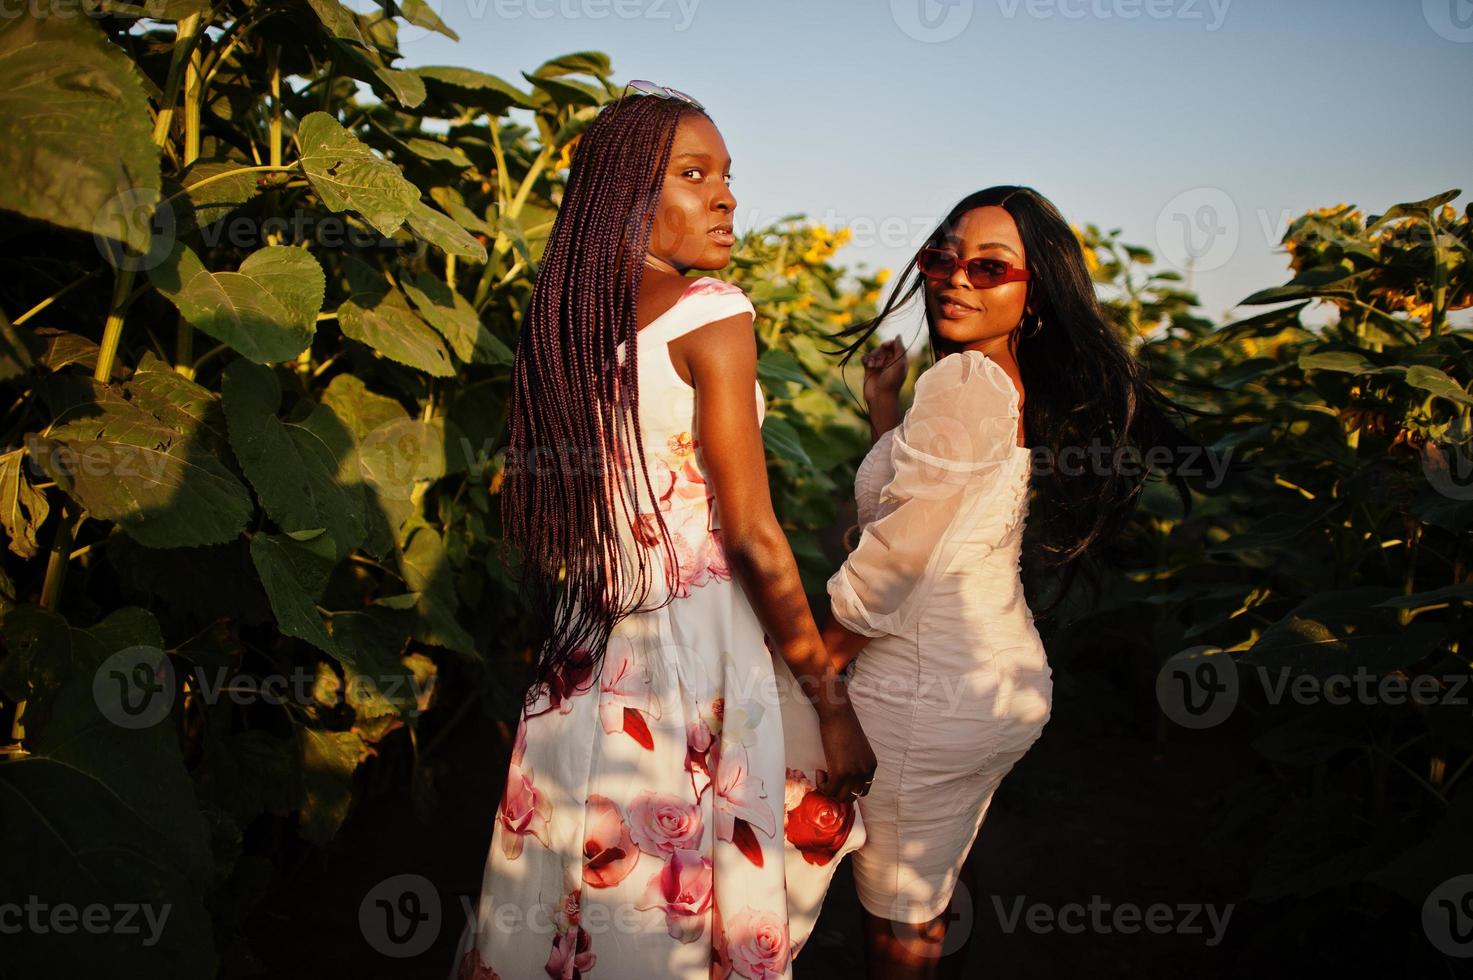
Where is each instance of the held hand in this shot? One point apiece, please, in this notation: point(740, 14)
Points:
point(851, 761)
point(884, 371)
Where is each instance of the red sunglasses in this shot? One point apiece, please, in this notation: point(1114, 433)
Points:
point(982, 273)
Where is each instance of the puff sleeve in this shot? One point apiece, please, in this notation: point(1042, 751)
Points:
point(870, 478)
point(951, 453)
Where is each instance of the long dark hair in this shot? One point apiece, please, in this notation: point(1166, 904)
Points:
point(1084, 386)
point(574, 399)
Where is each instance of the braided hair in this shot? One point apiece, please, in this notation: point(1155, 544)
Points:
point(576, 399)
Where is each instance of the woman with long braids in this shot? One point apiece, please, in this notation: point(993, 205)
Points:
point(951, 682)
point(653, 823)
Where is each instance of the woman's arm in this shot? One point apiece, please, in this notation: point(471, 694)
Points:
point(884, 373)
point(885, 368)
point(843, 644)
point(950, 456)
point(723, 367)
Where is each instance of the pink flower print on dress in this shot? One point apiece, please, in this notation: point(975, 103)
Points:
point(757, 944)
point(524, 812)
point(519, 746)
point(818, 826)
point(684, 500)
point(741, 802)
point(570, 914)
point(473, 968)
point(662, 824)
point(571, 679)
point(699, 739)
point(720, 961)
point(708, 286)
point(572, 954)
point(682, 890)
point(609, 851)
point(692, 490)
point(795, 787)
point(646, 526)
point(625, 695)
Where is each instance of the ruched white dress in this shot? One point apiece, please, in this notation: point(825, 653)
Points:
point(955, 687)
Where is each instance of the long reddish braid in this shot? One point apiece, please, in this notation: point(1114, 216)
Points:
point(575, 401)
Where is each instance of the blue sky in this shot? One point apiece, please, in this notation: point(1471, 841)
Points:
point(1195, 126)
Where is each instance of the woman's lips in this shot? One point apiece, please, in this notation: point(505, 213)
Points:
point(954, 311)
point(723, 236)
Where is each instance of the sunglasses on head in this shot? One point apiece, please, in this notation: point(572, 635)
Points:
point(643, 87)
point(982, 273)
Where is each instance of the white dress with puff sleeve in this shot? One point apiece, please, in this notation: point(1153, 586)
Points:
point(955, 687)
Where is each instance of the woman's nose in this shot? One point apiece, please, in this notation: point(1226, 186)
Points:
point(958, 277)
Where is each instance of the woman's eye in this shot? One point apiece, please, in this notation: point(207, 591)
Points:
point(727, 178)
point(694, 170)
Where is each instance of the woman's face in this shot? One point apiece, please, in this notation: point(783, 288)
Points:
point(963, 314)
point(693, 223)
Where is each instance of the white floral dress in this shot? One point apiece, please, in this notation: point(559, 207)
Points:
point(659, 818)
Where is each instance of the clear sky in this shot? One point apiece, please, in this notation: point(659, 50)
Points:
point(1195, 126)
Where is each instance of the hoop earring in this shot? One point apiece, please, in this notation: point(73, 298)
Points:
point(1037, 327)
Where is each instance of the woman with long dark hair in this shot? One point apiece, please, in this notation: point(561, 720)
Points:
point(1031, 385)
point(645, 830)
